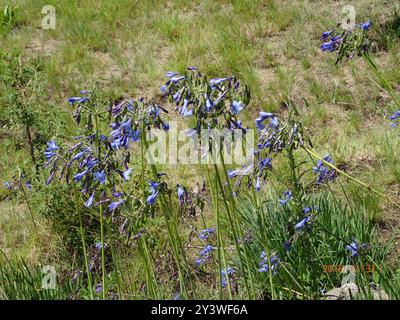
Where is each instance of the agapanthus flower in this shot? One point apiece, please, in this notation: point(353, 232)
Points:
point(287, 245)
point(302, 223)
point(355, 248)
point(153, 192)
point(347, 43)
point(225, 273)
point(89, 202)
point(126, 174)
point(206, 233)
point(287, 196)
point(99, 245)
point(100, 176)
point(325, 173)
point(49, 153)
point(217, 81)
point(181, 193)
point(326, 34)
point(214, 103)
point(28, 185)
point(237, 106)
point(204, 255)
point(8, 185)
point(79, 100)
point(258, 184)
point(274, 260)
point(171, 74)
point(243, 171)
point(114, 205)
point(264, 116)
point(79, 176)
point(99, 288)
point(366, 25)
point(394, 117)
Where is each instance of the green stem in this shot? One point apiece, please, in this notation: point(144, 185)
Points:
point(367, 186)
point(371, 64)
point(83, 244)
point(103, 258)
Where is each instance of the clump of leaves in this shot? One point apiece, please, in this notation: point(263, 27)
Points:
point(25, 112)
point(8, 19)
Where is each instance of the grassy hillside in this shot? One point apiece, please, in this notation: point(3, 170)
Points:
point(141, 250)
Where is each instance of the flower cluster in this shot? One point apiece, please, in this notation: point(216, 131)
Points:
point(206, 233)
point(225, 275)
point(213, 103)
point(264, 263)
point(205, 253)
point(18, 183)
point(131, 117)
point(287, 196)
point(306, 219)
point(347, 43)
point(325, 173)
point(355, 248)
point(92, 162)
point(395, 118)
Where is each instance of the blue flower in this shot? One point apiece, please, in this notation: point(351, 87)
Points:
point(237, 106)
point(80, 100)
point(325, 173)
point(114, 205)
point(287, 196)
point(265, 164)
point(177, 79)
point(287, 245)
point(302, 223)
point(78, 155)
point(165, 126)
point(206, 233)
point(181, 193)
point(52, 146)
point(89, 202)
point(306, 210)
point(171, 74)
point(28, 185)
point(273, 260)
point(205, 255)
point(154, 192)
point(326, 34)
point(8, 185)
point(126, 174)
point(264, 116)
point(366, 25)
point(394, 117)
point(163, 89)
point(225, 275)
point(99, 288)
point(152, 198)
point(355, 248)
point(217, 81)
point(209, 105)
point(80, 175)
point(100, 176)
point(331, 45)
point(232, 173)
point(184, 111)
point(258, 184)
point(99, 245)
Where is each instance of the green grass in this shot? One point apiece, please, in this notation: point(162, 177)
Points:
point(271, 46)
